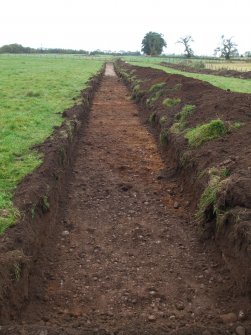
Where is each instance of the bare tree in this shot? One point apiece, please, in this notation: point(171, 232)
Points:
point(186, 40)
point(227, 48)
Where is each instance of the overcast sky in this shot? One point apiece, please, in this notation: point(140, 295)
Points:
point(121, 25)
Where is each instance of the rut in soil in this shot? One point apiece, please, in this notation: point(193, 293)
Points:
point(124, 258)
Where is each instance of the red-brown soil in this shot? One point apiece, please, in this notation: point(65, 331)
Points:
point(224, 73)
point(231, 152)
point(123, 257)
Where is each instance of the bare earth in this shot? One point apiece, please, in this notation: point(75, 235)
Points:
point(125, 261)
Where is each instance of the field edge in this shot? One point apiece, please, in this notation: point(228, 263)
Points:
point(37, 198)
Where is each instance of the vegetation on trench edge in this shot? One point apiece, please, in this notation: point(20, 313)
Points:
point(207, 206)
point(181, 118)
point(206, 132)
point(34, 92)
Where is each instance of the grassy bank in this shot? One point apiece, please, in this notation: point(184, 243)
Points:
point(233, 84)
point(34, 91)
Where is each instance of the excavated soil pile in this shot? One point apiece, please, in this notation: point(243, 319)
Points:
point(224, 73)
point(217, 173)
point(125, 256)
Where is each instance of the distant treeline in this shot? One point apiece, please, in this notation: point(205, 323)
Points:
point(119, 53)
point(19, 49)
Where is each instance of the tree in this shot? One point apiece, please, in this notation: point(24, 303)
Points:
point(16, 49)
point(186, 42)
point(153, 44)
point(227, 48)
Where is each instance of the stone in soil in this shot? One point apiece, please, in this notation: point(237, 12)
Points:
point(229, 317)
point(152, 318)
point(240, 330)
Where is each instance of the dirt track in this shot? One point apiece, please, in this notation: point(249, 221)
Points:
point(125, 261)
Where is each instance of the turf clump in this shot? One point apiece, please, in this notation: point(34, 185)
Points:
point(155, 91)
point(181, 118)
point(163, 120)
point(207, 207)
point(206, 132)
point(136, 89)
point(170, 102)
point(186, 111)
point(156, 87)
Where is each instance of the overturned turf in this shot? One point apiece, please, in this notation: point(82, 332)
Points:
point(216, 172)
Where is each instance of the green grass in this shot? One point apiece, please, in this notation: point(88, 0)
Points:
point(186, 111)
point(170, 102)
point(233, 84)
point(156, 91)
point(241, 66)
point(206, 132)
point(182, 117)
point(156, 87)
point(163, 120)
point(208, 201)
point(34, 91)
point(208, 198)
point(136, 90)
point(238, 125)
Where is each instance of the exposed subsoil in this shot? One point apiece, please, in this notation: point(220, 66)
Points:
point(224, 73)
point(123, 259)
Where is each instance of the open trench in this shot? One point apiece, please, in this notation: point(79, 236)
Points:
point(126, 258)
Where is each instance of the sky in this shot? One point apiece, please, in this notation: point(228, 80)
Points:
point(121, 25)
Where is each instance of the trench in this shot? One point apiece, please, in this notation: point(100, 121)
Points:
point(126, 258)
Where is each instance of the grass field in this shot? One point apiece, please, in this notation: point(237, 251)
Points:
point(214, 64)
point(34, 91)
point(229, 65)
point(219, 64)
point(234, 84)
